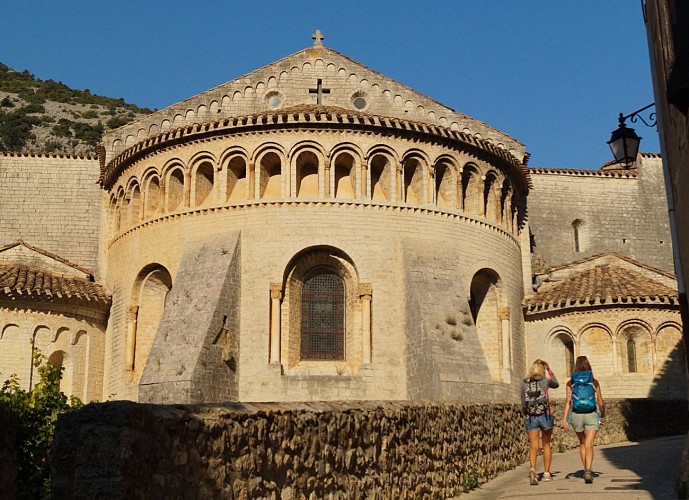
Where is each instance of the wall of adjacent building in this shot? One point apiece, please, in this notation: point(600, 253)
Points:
point(52, 202)
point(600, 335)
point(622, 213)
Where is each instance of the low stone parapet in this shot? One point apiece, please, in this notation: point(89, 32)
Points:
point(311, 450)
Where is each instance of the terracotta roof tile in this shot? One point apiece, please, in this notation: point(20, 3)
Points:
point(47, 254)
point(605, 284)
point(19, 280)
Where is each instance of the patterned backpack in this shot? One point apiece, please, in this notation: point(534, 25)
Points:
point(535, 398)
point(583, 392)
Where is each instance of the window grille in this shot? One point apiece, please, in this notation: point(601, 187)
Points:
point(322, 317)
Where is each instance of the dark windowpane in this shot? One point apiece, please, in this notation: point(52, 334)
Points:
point(631, 355)
point(322, 318)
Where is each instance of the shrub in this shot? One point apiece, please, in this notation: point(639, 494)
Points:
point(37, 411)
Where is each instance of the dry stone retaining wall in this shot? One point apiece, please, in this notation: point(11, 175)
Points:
point(311, 450)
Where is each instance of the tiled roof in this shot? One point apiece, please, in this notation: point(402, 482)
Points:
point(609, 172)
point(602, 285)
point(47, 254)
point(21, 281)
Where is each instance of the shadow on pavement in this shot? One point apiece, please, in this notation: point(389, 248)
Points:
point(655, 461)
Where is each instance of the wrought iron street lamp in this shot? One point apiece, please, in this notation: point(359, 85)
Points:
point(624, 142)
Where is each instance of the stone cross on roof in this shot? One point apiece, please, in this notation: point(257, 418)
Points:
point(317, 38)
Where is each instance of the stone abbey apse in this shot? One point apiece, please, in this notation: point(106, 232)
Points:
point(314, 231)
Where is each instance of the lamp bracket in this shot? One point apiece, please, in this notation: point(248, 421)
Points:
point(636, 115)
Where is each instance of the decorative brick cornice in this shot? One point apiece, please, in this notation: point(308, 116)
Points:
point(30, 154)
point(310, 117)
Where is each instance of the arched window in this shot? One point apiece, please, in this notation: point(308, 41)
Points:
point(471, 189)
point(569, 355)
point(580, 236)
point(203, 183)
point(270, 179)
point(380, 178)
point(307, 175)
point(152, 197)
point(60, 359)
point(491, 197)
point(484, 305)
point(631, 356)
point(134, 205)
point(635, 346)
point(344, 176)
point(413, 182)
point(323, 316)
point(175, 190)
point(237, 186)
point(150, 291)
point(445, 186)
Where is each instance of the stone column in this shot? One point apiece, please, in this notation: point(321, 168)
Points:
point(161, 196)
point(275, 298)
point(327, 188)
point(220, 184)
point(397, 187)
point(132, 317)
point(251, 180)
point(365, 181)
point(365, 294)
point(187, 189)
point(505, 329)
point(615, 363)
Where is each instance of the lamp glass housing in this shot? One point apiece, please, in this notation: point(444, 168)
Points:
point(624, 144)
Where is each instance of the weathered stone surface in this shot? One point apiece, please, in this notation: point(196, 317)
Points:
point(339, 450)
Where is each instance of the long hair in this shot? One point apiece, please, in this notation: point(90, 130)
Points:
point(537, 370)
point(582, 364)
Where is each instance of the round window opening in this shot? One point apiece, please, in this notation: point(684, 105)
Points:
point(274, 101)
point(359, 102)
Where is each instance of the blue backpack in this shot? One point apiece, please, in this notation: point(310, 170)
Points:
point(583, 392)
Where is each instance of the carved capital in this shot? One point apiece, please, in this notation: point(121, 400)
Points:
point(276, 291)
point(365, 290)
point(504, 313)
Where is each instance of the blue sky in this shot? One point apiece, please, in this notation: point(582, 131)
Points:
point(554, 75)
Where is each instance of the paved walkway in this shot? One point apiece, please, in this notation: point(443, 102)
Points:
point(643, 470)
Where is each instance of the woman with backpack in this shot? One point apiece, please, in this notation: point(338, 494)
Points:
point(538, 415)
point(585, 410)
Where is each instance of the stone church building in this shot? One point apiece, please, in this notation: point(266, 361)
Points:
point(314, 230)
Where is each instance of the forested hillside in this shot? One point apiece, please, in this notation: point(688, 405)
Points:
point(50, 117)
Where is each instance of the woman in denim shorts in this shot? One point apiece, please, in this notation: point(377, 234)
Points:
point(586, 424)
point(538, 415)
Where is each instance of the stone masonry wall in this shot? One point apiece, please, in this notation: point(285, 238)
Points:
point(626, 215)
point(54, 203)
point(391, 450)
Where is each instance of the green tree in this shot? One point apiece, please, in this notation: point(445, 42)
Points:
point(37, 411)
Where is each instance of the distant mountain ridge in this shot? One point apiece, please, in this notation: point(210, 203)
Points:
point(49, 117)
